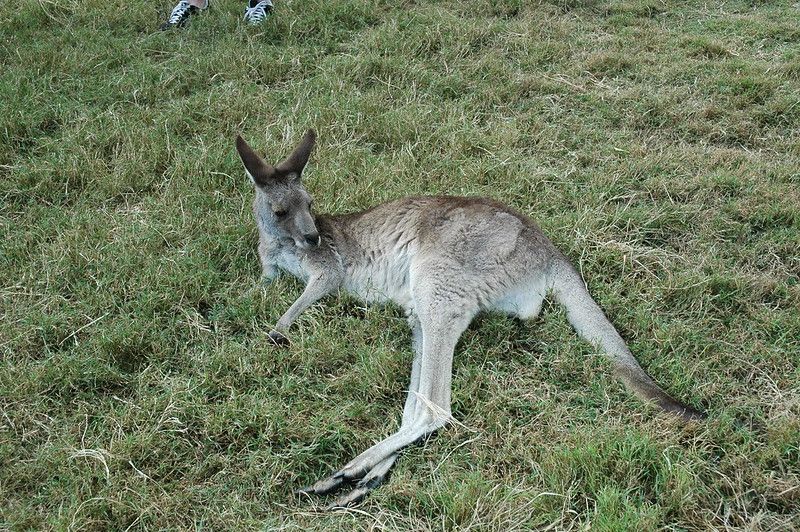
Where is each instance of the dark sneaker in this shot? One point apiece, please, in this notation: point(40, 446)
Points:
point(257, 11)
point(180, 15)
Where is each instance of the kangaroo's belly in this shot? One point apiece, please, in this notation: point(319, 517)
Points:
point(380, 280)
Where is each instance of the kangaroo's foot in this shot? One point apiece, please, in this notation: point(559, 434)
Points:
point(370, 467)
point(365, 484)
point(363, 487)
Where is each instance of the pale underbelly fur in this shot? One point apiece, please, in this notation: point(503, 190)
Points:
point(387, 279)
point(381, 280)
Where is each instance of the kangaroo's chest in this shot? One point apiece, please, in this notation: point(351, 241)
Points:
point(291, 263)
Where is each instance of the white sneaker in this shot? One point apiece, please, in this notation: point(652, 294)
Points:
point(257, 11)
point(180, 14)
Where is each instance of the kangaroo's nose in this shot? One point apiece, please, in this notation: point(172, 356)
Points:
point(313, 239)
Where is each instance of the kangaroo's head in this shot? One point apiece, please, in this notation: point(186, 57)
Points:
point(283, 206)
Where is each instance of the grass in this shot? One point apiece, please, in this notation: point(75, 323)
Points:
point(656, 142)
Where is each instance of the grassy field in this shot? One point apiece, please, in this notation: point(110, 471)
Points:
point(656, 143)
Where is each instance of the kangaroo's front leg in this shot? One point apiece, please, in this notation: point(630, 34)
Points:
point(318, 287)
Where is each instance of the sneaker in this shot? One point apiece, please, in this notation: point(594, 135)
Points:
point(180, 15)
point(257, 11)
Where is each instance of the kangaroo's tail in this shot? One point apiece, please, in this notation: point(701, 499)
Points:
point(592, 325)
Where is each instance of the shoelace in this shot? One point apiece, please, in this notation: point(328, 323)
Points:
point(179, 12)
point(258, 12)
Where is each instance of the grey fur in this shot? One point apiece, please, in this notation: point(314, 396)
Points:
point(443, 260)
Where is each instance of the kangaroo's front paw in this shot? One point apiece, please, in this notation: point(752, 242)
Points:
point(278, 339)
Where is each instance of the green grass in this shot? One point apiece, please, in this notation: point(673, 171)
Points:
point(656, 143)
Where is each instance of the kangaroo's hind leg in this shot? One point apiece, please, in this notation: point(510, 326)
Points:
point(377, 474)
point(444, 311)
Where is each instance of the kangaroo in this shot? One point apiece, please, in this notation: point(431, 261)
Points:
point(442, 259)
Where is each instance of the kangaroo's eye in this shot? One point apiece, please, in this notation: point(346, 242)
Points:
point(281, 213)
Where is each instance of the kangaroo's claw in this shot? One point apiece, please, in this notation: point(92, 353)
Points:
point(351, 498)
point(278, 339)
point(324, 486)
point(357, 494)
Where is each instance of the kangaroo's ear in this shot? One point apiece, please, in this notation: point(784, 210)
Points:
point(257, 168)
point(295, 162)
